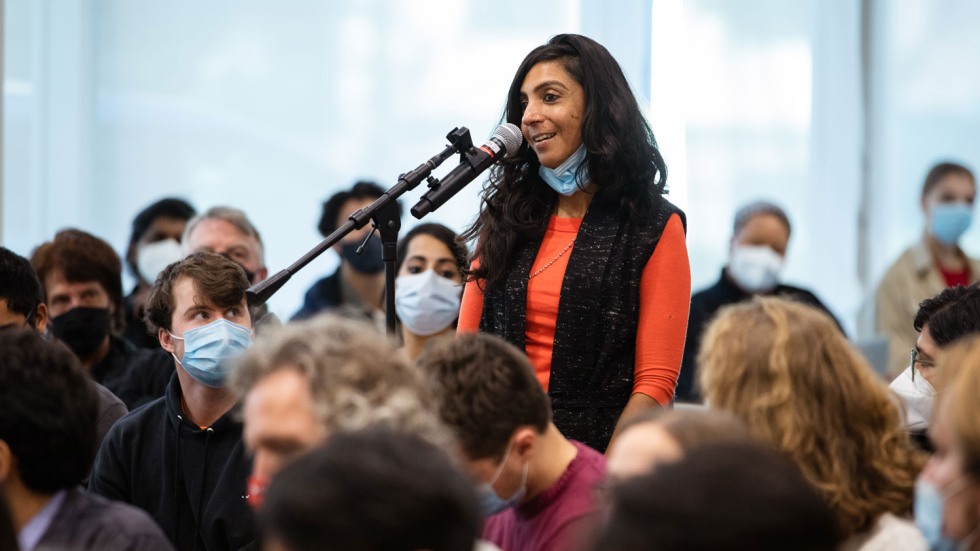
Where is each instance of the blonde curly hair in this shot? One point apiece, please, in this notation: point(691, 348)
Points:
point(786, 369)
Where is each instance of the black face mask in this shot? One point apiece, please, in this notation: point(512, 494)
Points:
point(82, 329)
point(369, 262)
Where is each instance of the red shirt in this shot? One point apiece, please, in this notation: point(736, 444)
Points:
point(557, 517)
point(955, 278)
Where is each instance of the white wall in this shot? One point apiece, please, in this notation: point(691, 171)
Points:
point(273, 106)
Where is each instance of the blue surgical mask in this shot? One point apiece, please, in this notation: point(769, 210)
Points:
point(492, 503)
point(426, 303)
point(928, 510)
point(563, 178)
point(209, 349)
point(949, 221)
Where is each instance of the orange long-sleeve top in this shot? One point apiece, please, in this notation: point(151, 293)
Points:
point(665, 298)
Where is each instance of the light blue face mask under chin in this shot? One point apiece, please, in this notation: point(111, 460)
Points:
point(565, 177)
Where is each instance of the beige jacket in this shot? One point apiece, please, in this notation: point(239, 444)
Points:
point(913, 278)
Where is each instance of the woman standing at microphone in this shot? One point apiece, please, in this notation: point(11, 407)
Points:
point(580, 261)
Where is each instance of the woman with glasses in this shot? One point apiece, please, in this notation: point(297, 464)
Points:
point(942, 319)
point(788, 372)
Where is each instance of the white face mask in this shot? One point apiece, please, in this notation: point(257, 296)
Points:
point(152, 258)
point(917, 397)
point(755, 268)
point(426, 303)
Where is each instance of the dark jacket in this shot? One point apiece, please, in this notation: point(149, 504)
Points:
point(594, 350)
point(323, 294)
point(190, 480)
point(87, 522)
point(136, 331)
point(704, 305)
point(135, 375)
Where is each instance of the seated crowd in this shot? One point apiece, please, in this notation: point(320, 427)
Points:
point(214, 426)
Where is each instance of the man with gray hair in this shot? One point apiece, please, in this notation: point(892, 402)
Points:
point(760, 237)
point(318, 377)
point(228, 232)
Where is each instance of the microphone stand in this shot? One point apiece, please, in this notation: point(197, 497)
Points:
point(383, 213)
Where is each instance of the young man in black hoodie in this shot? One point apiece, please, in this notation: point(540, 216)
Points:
point(181, 457)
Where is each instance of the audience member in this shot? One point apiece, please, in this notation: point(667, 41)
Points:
point(429, 286)
point(319, 377)
point(932, 264)
point(21, 295)
point(154, 244)
point(580, 259)
point(47, 442)
point(82, 279)
point(665, 436)
point(719, 497)
point(948, 490)
point(942, 319)
point(760, 238)
point(356, 289)
point(181, 457)
point(789, 373)
point(538, 487)
point(22, 306)
point(228, 232)
point(376, 489)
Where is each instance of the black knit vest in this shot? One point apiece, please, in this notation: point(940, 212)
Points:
point(598, 311)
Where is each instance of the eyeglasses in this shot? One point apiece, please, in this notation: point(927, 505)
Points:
point(915, 359)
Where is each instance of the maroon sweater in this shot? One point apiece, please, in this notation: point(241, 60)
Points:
point(552, 519)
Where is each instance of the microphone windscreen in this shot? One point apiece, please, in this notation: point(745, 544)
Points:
point(509, 135)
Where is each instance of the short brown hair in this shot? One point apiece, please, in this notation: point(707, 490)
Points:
point(486, 389)
point(218, 279)
point(941, 171)
point(83, 257)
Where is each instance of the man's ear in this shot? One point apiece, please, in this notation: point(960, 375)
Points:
point(41, 318)
point(525, 443)
point(6, 462)
point(166, 341)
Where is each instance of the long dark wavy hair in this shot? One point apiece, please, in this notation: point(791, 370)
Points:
point(623, 160)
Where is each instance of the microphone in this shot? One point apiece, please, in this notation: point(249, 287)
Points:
point(505, 142)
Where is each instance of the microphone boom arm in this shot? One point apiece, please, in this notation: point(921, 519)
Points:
point(385, 218)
